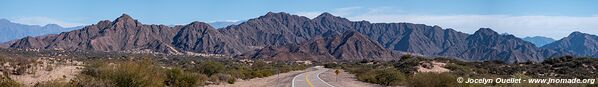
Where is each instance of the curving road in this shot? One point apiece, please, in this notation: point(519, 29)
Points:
point(310, 79)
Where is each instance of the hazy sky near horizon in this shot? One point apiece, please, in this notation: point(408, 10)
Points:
point(551, 18)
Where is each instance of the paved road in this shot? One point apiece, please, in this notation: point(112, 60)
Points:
point(310, 79)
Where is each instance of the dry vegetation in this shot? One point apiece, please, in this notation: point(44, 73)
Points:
point(42, 68)
point(408, 71)
point(98, 69)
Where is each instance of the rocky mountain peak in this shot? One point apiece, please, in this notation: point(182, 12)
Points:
point(124, 18)
point(485, 31)
point(325, 14)
point(126, 21)
point(329, 17)
point(275, 15)
point(4, 21)
point(577, 43)
point(199, 26)
point(577, 33)
point(581, 36)
point(52, 26)
point(197, 23)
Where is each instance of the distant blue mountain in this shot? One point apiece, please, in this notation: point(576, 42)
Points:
point(539, 41)
point(224, 24)
point(11, 31)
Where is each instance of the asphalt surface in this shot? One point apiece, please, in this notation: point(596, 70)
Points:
point(310, 79)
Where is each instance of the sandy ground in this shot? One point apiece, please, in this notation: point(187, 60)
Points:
point(64, 73)
point(46, 69)
point(279, 80)
point(434, 66)
point(344, 79)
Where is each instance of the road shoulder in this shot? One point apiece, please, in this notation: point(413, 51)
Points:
point(280, 80)
point(344, 79)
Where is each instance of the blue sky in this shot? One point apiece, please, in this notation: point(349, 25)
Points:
point(552, 18)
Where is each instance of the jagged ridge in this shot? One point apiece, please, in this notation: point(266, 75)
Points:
point(277, 35)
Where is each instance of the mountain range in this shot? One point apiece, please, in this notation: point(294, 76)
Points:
point(283, 36)
point(539, 41)
point(11, 31)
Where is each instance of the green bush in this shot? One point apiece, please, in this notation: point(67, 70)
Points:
point(332, 65)
point(210, 67)
point(6, 81)
point(459, 69)
point(179, 78)
point(129, 73)
point(220, 77)
point(388, 77)
point(263, 73)
point(259, 69)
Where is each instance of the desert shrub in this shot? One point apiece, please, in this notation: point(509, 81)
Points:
point(332, 65)
point(434, 80)
point(179, 78)
point(129, 73)
point(260, 69)
point(202, 79)
point(88, 81)
point(6, 81)
point(145, 73)
point(20, 70)
point(262, 73)
point(239, 71)
point(22, 64)
point(407, 63)
point(220, 78)
point(210, 67)
point(388, 77)
point(53, 83)
point(356, 68)
point(459, 69)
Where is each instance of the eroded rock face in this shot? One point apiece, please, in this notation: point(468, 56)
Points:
point(202, 38)
point(123, 34)
point(349, 45)
point(486, 44)
point(290, 37)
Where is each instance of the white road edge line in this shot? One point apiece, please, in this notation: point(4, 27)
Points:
point(323, 80)
point(293, 81)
